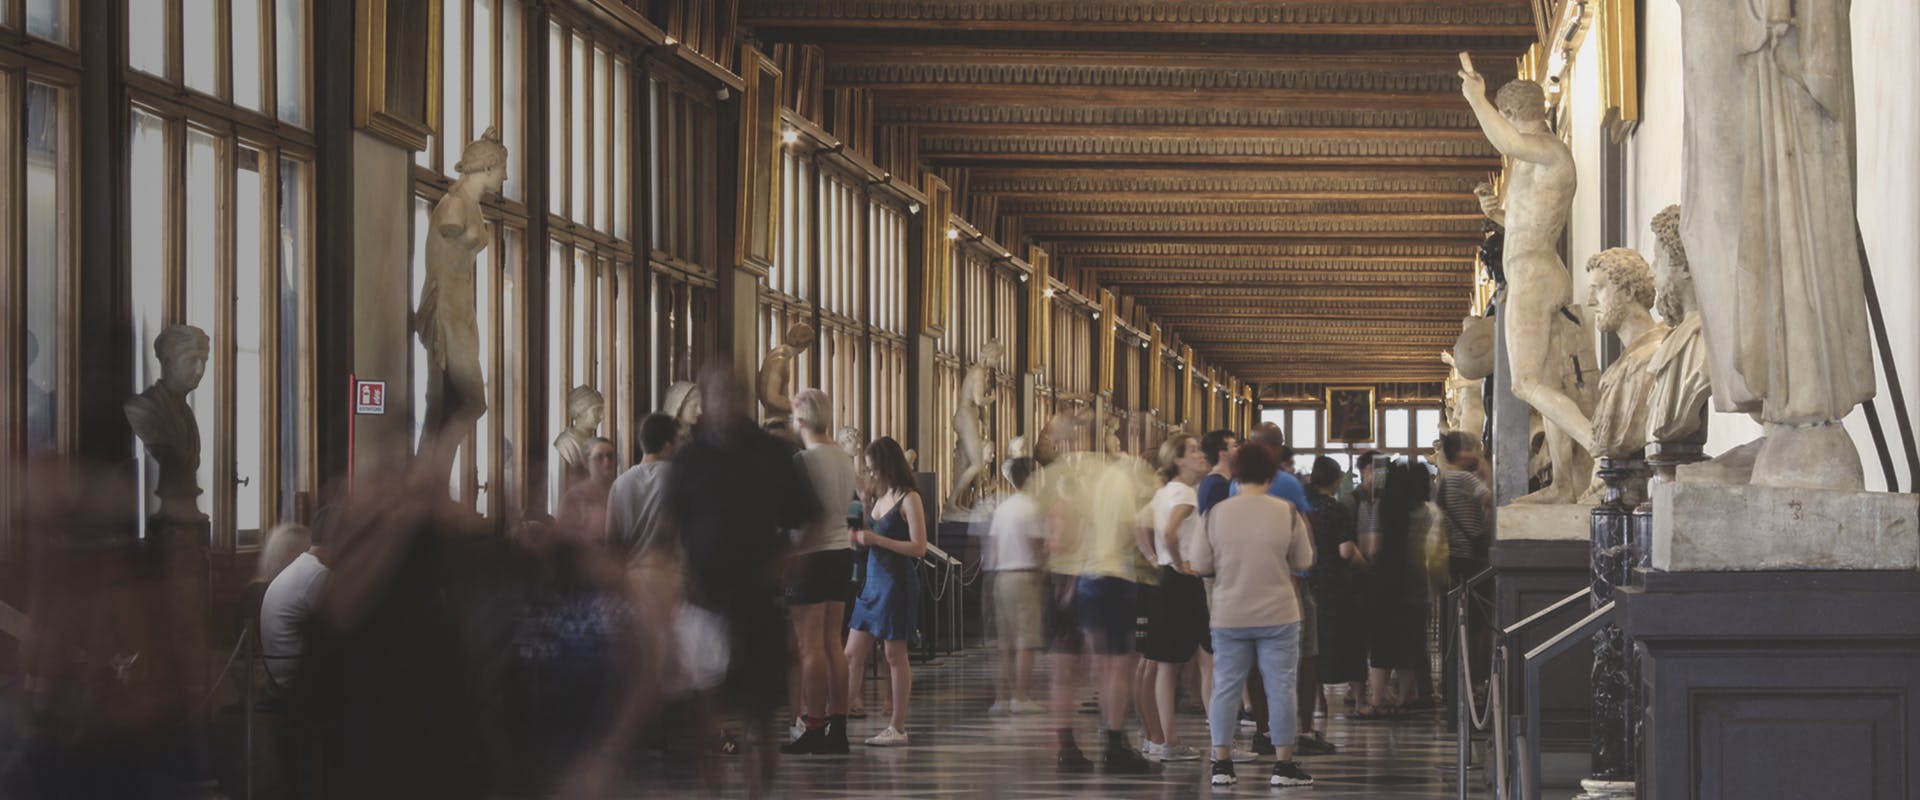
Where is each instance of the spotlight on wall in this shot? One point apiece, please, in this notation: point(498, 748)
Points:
point(1096, 315)
point(913, 208)
point(723, 94)
point(953, 233)
point(1049, 293)
point(790, 136)
point(672, 41)
point(1023, 277)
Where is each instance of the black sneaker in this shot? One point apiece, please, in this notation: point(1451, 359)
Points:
point(1263, 745)
point(809, 743)
point(1312, 743)
point(1247, 720)
point(835, 742)
point(1223, 773)
point(1288, 773)
point(1128, 761)
point(1072, 760)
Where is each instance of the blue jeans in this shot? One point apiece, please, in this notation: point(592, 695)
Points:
point(1234, 649)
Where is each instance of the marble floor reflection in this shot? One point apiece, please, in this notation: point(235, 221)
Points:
point(959, 751)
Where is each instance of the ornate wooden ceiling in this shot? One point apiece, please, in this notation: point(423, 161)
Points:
point(1286, 186)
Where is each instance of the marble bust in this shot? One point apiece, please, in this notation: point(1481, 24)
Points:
point(969, 425)
point(776, 372)
point(165, 423)
point(1622, 297)
point(1768, 219)
point(1677, 401)
point(445, 321)
point(585, 408)
point(1535, 208)
point(1111, 438)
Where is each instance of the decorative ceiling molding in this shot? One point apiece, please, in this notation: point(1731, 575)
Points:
point(936, 145)
point(1036, 182)
point(1220, 297)
point(1181, 269)
point(1181, 116)
point(1432, 224)
point(1144, 12)
point(1112, 248)
point(1180, 205)
point(1298, 79)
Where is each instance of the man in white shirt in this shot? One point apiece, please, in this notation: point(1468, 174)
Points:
point(637, 524)
point(290, 601)
point(1016, 537)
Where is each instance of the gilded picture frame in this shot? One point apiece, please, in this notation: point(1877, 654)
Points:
point(1350, 414)
point(756, 238)
point(397, 70)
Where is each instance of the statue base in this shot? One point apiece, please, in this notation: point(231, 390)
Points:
point(1718, 527)
point(978, 512)
point(1546, 522)
point(1593, 789)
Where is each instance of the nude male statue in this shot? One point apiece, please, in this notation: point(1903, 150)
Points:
point(1538, 202)
point(776, 373)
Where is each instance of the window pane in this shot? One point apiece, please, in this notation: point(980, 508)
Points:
point(557, 269)
point(203, 306)
point(482, 439)
point(47, 19)
point(247, 38)
point(654, 91)
point(249, 396)
point(509, 388)
point(482, 65)
point(453, 107)
point(512, 78)
point(602, 174)
point(1396, 431)
point(290, 51)
point(556, 119)
point(147, 49)
point(199, 24)
point(1304, 432)
point(417, 277)
point(293, 249)
point(148, 204)
point(622, 177)
point(1427, 427)
point(48, 252)
point(582, 309)
point(577, 154)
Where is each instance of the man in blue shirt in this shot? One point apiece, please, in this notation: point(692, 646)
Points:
point(1286, 485)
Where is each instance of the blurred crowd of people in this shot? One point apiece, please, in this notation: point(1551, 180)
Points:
point(739, 575)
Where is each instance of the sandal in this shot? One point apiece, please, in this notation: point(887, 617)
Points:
point(856, 713)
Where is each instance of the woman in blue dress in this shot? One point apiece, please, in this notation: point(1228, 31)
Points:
point(895, 540)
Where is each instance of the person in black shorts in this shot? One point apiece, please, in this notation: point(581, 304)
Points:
point(1177, 626)
point(822, 581)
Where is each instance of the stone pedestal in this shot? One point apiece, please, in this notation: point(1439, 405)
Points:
point(1543, 522)
point(1612, 562)
point(1777, 684)
point(1717, 527)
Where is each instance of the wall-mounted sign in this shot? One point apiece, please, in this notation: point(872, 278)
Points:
point(369, 397)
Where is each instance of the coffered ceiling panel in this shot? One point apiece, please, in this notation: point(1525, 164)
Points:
point(1286, 186)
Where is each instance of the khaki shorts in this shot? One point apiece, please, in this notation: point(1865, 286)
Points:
point(1018, 604)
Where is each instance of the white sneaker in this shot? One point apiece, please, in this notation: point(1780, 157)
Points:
point(1151, 750)
point(1027, 707)
point(888, 738)
point(1242, 756)
point(1179, 752)
point(1000, 708)
point(799, 727)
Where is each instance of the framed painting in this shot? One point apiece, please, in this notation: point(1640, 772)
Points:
point(1350, 414)
point(397, 70)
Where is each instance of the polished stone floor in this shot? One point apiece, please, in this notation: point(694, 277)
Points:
point(958, 751)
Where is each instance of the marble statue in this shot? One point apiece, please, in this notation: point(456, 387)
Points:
point(1539, 290)
point(683, 403)
point(1622, 297)
point(776, 372)
point(585, 408)
point(1677, 401)
point(165, 423)
point(1111, 438)
point(444, 321)
point(1466, 406)
point(969, 427)
point(1768, 200)
point(1472, 354)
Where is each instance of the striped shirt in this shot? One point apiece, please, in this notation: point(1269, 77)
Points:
point(1462, 499)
